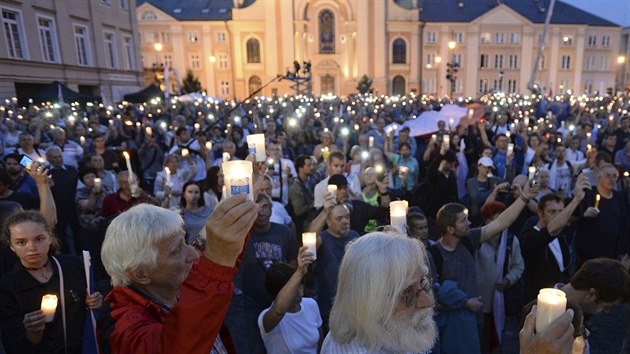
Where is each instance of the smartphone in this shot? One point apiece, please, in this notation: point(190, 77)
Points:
point(26, 162)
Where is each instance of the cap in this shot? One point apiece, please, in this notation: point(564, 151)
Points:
point(338, 180)
point(486, 161)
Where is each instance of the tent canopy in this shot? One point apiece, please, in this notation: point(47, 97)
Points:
point(55, 92)
point(148, 93)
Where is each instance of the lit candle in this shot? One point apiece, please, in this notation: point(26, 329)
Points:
point(451, 121)
point(510, 149)
point(597, 198)
point(433, 138)
point(82, 140)
point(551, 304)
point(208, 145)
point(532, 172)
point(97, 182)
point(185, 152)
point(371, 142)
point(309, 239)
point(138, 125)
point(332, 189)
point(149, 131)
point(325, 153)
point(49, 306)
point(167, 176)
point(238, 178)
point(197, 126)
point(470, 113)
point(256, 144)
point(226, 156)
point(398, 215)
point(447, 140)
point(589, 147)
point(128, 160)
point(404, 170)
point(526, 119)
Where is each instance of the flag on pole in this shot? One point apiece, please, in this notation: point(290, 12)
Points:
point(90, 345)
point(166, 89)
point(59, 94)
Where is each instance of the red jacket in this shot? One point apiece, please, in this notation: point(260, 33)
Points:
point(135, 324)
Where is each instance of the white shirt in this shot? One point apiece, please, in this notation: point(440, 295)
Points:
point(321, 189)
point(279, 214)
point(296, 333)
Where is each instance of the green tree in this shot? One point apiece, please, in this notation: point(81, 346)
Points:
point(365, 85)
point(191, 83)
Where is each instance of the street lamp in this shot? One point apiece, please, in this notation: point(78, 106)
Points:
point(451, 44)
point(621, 59)
point(158, 48)
point(452, 68)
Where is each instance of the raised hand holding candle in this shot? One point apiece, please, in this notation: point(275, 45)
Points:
point(208, 145)
point(167, 174)
point(332, 188)
point(403, 170)
point(238, 178)
point(447, 140)
point(597, 198)
point(325, 153)
point(398, 214)
point(309, 239)
point(510, 149)
point(97, 182)
point(128, 160)
point(49, 306)
point(185, 152)
point(256, 144)
point(532, 171)
point(551, 304)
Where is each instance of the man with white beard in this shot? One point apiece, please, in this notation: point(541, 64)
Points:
point(384, 302)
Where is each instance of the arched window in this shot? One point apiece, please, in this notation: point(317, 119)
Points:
point(398, 85)
point(326, 32)
point(399, 49)
point(253, 51)
point(254, 84)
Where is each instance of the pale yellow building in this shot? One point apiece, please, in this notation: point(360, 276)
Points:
point(235, 47)
point(89, 45)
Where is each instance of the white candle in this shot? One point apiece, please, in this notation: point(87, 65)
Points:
point(451, 122)
point(185, 152)
point(526, 120)
point(128, 160)
point(510, 149)
point(167, 176)
point(309, 239)
point(332, 188)
point(551, 304)
point(97, 182)
point(82, 140)
point(238, 178)
point(447, 140)
point(470, 113)
point(149, 131)
point(434, 138)
point(208, 145)
point(404, 170)
point(532, 171)
point(398, 215)
point(49, 306)
point(256, 144)
point(226, 156)
point(371, 142)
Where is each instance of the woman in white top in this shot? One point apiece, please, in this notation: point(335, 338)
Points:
point(170, 193)
point(292, 324)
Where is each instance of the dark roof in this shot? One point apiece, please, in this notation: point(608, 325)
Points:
point(194, 10)
point(533, 10)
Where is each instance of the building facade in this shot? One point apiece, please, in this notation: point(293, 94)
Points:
point(235, 47)
point(91, 47)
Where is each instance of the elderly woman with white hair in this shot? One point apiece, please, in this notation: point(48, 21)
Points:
point(384, 302)
point(166, 298)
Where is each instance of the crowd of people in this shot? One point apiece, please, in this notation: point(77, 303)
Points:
point(522, 193)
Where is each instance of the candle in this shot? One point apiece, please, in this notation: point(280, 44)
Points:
point(49, 306)
point(433, 138)
point(470, 113)
point(398, 215)
point(256, 144)
point(309, 239)
point(238, 178)
point(149, 131)
point(97, 182)
point(451, 121)
point(532, 172)
point(447, 140)
point(589, 147)
point(167, 176)
point(597, 198)
point(128, 160)
point(325, 153)
point(551, 304)
point(332, 189)
point(185, 152)
point(404, 170)
point(208, 145)
point(371, 142)
point(82, 140)
point(197, 126)
point(526, 119)
point(138, 125)
point(226, 156)
point(510, 149)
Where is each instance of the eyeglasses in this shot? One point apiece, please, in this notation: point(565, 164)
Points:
point(410, 295)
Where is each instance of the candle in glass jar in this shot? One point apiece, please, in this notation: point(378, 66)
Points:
point(309, 239)
point(167, 176)
point(325, 153)
point(149, 131)
point(371, 142)
point(447, 140)
point(208, 145)
point(532, 171)
point(185, 152)
point(470, 113)
point(551, 304)
point(398, 214)
point(256, 144)
point(97, 182)
point(49, 306)
point(332, 188)
point(238, 178)
point(510, 149)
point(128, 160)
point(404, 170)
point(82, 140)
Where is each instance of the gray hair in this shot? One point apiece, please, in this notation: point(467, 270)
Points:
point(375, 270)
point(130, 240)
point(53, 148)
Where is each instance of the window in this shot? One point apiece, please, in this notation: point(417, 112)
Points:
point(590, 62)
point(161, 37)
point(82, 45)
point(564, 85)
point(511, 86)
point(458, 87)
point(515, 38)
point(567, 40)
point(399, 49)
point(225, 88)
point(566, 62)
point(592, 41)
point(398, 85)
point(429, 85)
point(513, 61)
point(430, 58)
point(458, 37)
point(485, 38)
point(606, 41)
point(223, 61)
point(457, 58)
point(326, 32)
point(149, 16)
point(111, 56)
point(498, 61)
point(431, 37)
point(220, 37)
point(48, 39)
point(192, 37)
point(588, 86)
point(483, 86)
point(129, 62)
point(168, 60)
point(195, 62)
point(253, 51)
point(484, 61)
point(12, 23)
point(499, 37)
point(124, 4)
point(255, 83)
point(603, 64)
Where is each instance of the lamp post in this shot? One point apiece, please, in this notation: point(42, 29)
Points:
point(157, 66)
point(452, 68)
point(621, 76)
point(501, 73)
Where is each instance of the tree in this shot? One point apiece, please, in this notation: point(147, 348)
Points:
point(190, 83)
point(365, 85)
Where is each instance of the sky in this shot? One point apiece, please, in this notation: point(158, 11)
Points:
point(617, 11)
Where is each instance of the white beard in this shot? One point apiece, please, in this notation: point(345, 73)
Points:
point(415, 333)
